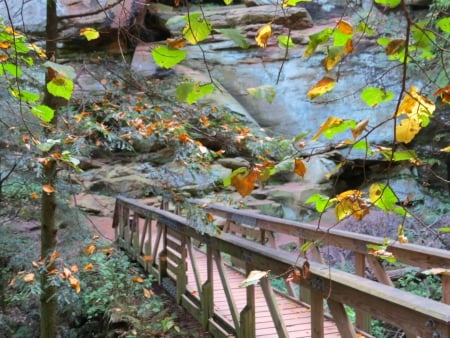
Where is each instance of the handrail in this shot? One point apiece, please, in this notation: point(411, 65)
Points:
point(424, 317)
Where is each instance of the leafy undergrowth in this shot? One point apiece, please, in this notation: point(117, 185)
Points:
point(101, 293)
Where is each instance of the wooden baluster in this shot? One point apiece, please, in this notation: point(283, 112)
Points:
point(182, 272)
point(207, 297)
point(317, 314)
point(446, 288)
point(273, 308)
point(341, 319)
point(362, 319)
point(247, 316)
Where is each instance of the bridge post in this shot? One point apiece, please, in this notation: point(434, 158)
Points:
point(207, 296)
point(362, 319)
point(317, 314)
point(247, 327)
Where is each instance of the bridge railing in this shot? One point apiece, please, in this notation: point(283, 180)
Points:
point(162, 242)
point(265, 230)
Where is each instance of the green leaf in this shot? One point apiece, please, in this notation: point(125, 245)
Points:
point(317, 39)
point(235, 35)
point(167, 57)
point(444, 229)
point(43, 112)
point(63, 70)
point(362, 27)
point(191, 92)
point(306, 246)
point(265, 92)
point(444, 24)
point(340, 38)
point(373, 96)
point(322, 202)
point(25, 95)
point(400, 155)
point(336, 129)
point(48, 145)
point(12, 69)
point(227, 2)
point(197, 28)
point(285, 41)
point(384, 198)
point(90, 33)
point(60, 87)
point(389, 3)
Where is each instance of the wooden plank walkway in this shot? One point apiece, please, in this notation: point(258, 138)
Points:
point(297, 317)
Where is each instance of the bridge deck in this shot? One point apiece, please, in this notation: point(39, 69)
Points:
point(297, 318)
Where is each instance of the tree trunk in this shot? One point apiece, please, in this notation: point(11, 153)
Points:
point(48, 201)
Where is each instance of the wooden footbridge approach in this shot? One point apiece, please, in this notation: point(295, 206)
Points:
point(203, 273)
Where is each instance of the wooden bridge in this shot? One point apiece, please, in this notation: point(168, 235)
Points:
point(203, 273)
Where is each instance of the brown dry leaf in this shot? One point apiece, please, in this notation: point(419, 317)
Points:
point(90, 249)
point(295, 276)
point(300, 168)
point(95, 237)
point(360, 127)
point(48, 188)
point(345, 27)
point(29, 278)
point(147, 293)
point(54, 256)
point(306, 272)
point(394, 46)
point(53, 272)
point(325, 85)
point(263, 35)
point(74, 268)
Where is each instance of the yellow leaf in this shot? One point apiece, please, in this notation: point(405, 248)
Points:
point(414, 104)
point(75, 284)
point(89, 33)
point(29, 278)
point(406, 130)
point(300, 168)
point(360, 127)
point(88, 267)
point(435, 271)
point(344, 27)
point(329, 123)
point(350, 203)
point(329, 62)
point(446, 149)
point(48, 188)
point(147, 293)
point(323, 86)
point(263, 35)
point(90, 249)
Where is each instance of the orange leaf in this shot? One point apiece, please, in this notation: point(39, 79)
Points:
point(176, 43)
point(300, 168)
point(444, 93)
point(349, 47)
point(137, 279)
point(263, 35)
point(323, 86)
point(245, 184)
point(34, 195)
point(5, 45)
point(54, 255)
point(74, 268)
point(344, 27)
point(107, 251)
point(75, 284)
point(90, 249)
point(48, 188)
point(147, 258)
